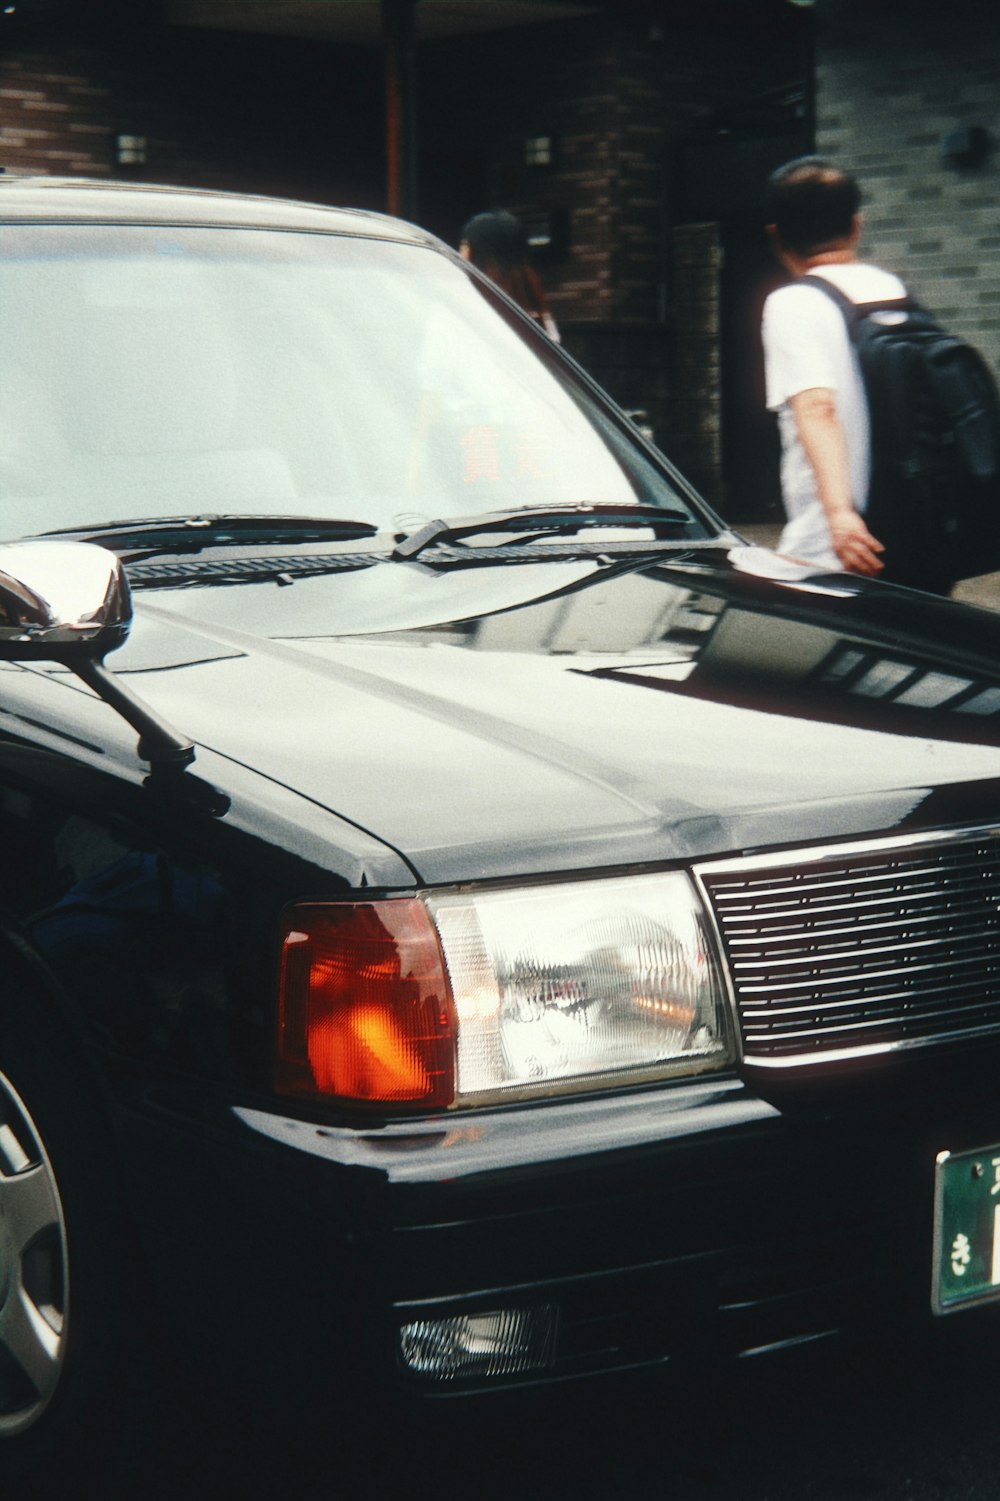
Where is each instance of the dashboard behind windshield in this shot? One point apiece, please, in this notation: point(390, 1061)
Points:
point(152, 371)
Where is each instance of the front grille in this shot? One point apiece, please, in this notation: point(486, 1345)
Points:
point(860, 949)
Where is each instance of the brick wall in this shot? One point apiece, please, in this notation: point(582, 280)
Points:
point(892, 82)
point(55, 111)
point(558, 80)
point(694, 439)
point(229, 112)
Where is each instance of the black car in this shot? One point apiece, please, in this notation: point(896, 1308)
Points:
point(467, 918)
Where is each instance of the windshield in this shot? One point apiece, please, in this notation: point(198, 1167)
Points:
point(149, 371)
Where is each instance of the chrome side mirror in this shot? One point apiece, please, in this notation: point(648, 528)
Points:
point(70, 602)
point(61, 600)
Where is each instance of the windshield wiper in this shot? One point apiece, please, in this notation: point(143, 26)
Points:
point(536, 520)
point(156, 534)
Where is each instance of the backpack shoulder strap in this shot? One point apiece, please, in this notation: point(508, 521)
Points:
point(854, 312)
point(847, 307)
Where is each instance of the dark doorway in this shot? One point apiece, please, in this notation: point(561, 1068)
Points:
point(722, 180)
point(750, 447)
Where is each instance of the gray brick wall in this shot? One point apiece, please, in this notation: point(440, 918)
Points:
point(892, 83)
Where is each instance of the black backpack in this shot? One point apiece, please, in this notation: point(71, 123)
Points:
point(934, 498)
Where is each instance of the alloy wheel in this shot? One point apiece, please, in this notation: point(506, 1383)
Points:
point(34, 1282)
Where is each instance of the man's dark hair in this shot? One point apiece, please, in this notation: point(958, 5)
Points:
point(811, 204)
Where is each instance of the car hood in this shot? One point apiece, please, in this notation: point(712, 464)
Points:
point(513, 719)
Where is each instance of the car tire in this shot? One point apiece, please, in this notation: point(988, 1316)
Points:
point(73, 1369)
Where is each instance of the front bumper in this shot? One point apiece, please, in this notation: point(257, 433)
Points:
point(683, 1224)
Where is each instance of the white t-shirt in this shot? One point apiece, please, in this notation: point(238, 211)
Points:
point(807, 347)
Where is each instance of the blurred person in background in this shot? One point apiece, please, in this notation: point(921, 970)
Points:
point(495, 242)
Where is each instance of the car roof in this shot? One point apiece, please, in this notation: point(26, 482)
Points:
point(79, 200)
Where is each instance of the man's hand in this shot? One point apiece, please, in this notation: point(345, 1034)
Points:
point(854, 544)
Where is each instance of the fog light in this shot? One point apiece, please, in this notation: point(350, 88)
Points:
point(503, 1342)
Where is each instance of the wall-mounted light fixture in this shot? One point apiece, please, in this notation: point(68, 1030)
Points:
point(538, 151)
point(547, 232)
point(966, 146)
point(130, 151)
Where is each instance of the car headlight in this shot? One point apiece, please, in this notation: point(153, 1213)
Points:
point(458, 998)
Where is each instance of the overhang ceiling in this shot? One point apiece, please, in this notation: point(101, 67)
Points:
point(359, 22)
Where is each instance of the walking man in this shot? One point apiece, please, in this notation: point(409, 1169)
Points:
point(813, 379)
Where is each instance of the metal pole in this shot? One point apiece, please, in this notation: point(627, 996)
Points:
point(398, 30)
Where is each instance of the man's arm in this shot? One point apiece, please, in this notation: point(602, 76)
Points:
point(823, 440)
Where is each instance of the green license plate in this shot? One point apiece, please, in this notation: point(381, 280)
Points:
point(966, 1229)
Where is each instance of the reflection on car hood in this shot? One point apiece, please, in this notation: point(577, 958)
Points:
point(589, 717)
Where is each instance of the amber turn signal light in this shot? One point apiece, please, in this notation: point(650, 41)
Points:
point(365, 1007)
